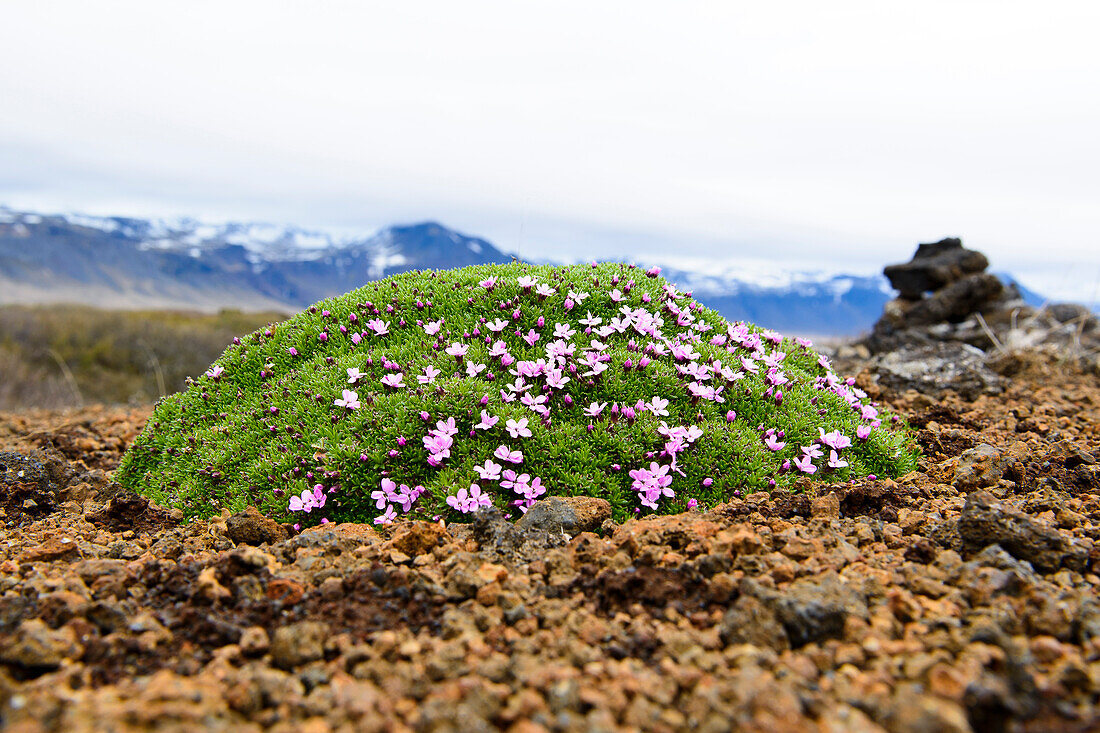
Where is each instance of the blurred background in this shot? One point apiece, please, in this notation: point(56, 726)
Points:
point(172, 175)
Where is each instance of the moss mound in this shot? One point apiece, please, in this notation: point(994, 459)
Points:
point(433, 393)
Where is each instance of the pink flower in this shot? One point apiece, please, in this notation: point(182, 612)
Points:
point(438, 445)
point(835, 439)
point(470, 500)
point(432, 327)
point(303, 503)
point(835, 461)
point(805, 464)
point(658, 406)
point(505, 453)
point(350, 400)
point(531, 337)
point(380, 327)
point(395, 380)
point(563, 331)
point(429, 375)
point(386, 517)
point(447, 427)
point(354, 375)
point(487, 421)
point(518, 428)
point(812, 451)
point(215, 372)
point(386, 494)
point(595, 409)
point(489, 283)
point(773, 444)
point(863, 432)
point(473, 369)
point(544, 290)
point(556, 379)
point(457, 350)
point(527, 282)
point(497, 325)
point(356, 338)
point(489, 472)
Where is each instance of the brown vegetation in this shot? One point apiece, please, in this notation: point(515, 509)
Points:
point(63, 356)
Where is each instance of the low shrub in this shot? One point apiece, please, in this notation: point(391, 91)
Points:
point(430, 394)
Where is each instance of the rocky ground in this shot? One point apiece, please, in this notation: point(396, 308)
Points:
point(960, 597)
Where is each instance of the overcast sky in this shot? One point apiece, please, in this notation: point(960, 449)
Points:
point(811, 133)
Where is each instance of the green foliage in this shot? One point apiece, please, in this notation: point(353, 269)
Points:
point(267, 428)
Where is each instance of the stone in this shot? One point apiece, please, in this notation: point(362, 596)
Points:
point(934, 265)
point(254, 641)
point(250, 527)
point(419, 538)
point(985, 521)
point(36, 648)
point(750, 621)
point(826, 507)
point(1071, 313)
point(815, 610)
point(298, 644)
point(983, 465)
point(953, 303)
point(934, 368)
point(911, 711)
point(52, 548)
point(569, 514)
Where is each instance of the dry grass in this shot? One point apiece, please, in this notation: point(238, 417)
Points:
point(64, 356)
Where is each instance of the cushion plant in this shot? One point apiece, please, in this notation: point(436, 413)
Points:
point(431, 394)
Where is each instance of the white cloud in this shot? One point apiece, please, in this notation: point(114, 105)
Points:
point(796, 129)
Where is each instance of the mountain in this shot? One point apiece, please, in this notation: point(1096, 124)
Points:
point(117, 262)
point(136, 263)
point(801, 303)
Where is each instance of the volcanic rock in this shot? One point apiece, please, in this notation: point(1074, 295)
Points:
point(252, 528)
point(934, 265)
point(985, 521)
point(570, 514)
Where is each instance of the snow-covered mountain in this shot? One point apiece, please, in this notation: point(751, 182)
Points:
point(802, 302)
point(118, 262)
point(133, 263)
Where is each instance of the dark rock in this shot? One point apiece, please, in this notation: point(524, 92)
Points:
point(749, 621)
point(953, 303)
point(811, 609)
point(25, 486)
point(252, 528)
point(19, 469)
point(934, 265)
point(1072, 313)
point(503, 540)
point(937, 367)
point(570, 514)
point(983, 465)
point(128, 510)
point(985, 521)
point(106, 615)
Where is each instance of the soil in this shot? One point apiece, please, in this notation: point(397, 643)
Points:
point(959, 597)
